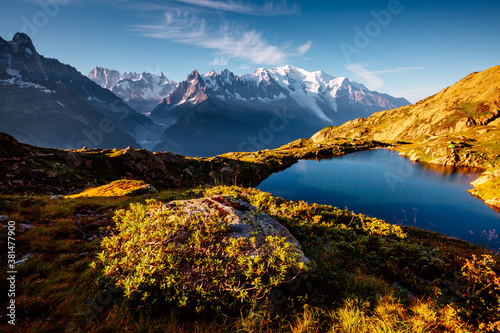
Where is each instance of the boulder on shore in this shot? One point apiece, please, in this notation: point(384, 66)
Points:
point(246, 221)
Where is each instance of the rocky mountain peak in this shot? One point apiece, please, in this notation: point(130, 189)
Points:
point(211, 73)
point(23, 57)
point(193, 90)
point(22, 43)
point(62, 104)
point(226, 72)
point(104, 77)
point(142, 91)
point(194, 76)
point(290, 68)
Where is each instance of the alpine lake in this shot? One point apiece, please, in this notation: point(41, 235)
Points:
point(382, 184)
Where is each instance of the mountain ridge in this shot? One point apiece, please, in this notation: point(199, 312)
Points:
point(473, 100)
point(142, 92)
point(245, 107)
point(39, 94)
point(263, 85)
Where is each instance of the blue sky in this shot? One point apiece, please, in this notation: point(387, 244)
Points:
point(408, 48)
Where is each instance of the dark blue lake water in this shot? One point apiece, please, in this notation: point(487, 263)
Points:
point(382, 184)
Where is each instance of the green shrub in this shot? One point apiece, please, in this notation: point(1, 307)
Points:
point(304, 219)
point(481, 298)
point(167, 254)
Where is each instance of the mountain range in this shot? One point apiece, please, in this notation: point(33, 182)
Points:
point(142, 92)
point(50, 104)
point(218, 112)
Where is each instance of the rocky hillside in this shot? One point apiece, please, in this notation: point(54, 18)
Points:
point(29, 169)
point(458, 126)
point(472, 101)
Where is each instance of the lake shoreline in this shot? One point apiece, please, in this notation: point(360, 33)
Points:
point(389, 186)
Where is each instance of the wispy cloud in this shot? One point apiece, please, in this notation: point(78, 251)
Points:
point(371, 78)
point(229, 41)
point(219, 61)
point(269, 8)
point(304, 48)
point(397, 70)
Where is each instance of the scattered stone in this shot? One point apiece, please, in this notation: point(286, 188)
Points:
point(403, 290)
point(51, 174)
point(73, 159)
point(23, 227)
point(149, 188)
point(24, 259)
point(227, 169)
point(448, 160)
point(188, 172)
point(496, 122)
point(486, 177)
point(495, 202)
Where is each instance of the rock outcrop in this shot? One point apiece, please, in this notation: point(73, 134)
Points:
point(486, 187)
point(246, 221)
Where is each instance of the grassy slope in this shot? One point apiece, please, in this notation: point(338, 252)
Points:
point(367, 275)
point(118, 188)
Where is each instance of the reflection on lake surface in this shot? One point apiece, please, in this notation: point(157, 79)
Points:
point(382, 184)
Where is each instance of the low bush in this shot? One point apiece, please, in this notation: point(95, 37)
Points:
point(167, 254)
point(480, 300)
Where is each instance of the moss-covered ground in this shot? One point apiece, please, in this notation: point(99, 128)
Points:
point(366, 275)
point(117, 188)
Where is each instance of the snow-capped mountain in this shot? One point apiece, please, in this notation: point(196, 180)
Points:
point(330, 99)
point(142, 92)
point(244, 105)
point(47, 103)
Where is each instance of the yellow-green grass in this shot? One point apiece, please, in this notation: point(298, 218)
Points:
point(117, 188)
point(362, 273)
point(488, 190)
